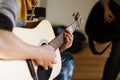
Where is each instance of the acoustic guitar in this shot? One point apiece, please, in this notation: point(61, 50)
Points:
point(100, 31)
point(26, 69)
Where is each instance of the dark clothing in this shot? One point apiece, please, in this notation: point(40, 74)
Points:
point(112, 66)
point(5, 23)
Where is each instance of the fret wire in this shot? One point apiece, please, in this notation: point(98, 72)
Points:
point(74, 26)
point(77, 24)
point(57, 42)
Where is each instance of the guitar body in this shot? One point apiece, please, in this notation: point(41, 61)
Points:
point(42, 34)
point(18, 69)
point(96, 28)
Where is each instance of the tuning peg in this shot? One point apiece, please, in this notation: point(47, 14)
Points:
point(75, 15)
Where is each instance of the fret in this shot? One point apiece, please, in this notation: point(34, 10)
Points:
point(57, 42)
point(73, 26)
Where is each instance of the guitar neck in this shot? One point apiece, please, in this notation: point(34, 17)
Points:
point(73, 26)
point(59, 40)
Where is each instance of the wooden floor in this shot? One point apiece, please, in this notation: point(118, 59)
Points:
point(89, 66)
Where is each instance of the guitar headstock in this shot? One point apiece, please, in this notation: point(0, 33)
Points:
point(77, 18)
point(77, 22)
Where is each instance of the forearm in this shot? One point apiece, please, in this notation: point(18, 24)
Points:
point(11, 47)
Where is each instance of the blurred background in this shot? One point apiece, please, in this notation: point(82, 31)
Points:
point(59, 13)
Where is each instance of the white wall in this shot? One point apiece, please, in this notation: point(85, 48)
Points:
point(42, 3)
point(60, 11)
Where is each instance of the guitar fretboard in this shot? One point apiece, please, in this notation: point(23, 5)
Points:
point(59, 40)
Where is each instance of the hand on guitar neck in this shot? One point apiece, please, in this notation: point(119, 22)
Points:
point(68, 40)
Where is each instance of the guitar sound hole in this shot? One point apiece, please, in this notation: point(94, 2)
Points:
point(43, 44)
point(43, 74)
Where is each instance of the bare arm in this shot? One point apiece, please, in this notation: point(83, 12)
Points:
point(11, 47)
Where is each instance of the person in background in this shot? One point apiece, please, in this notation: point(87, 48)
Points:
point(43, 55)
point(112, 66)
